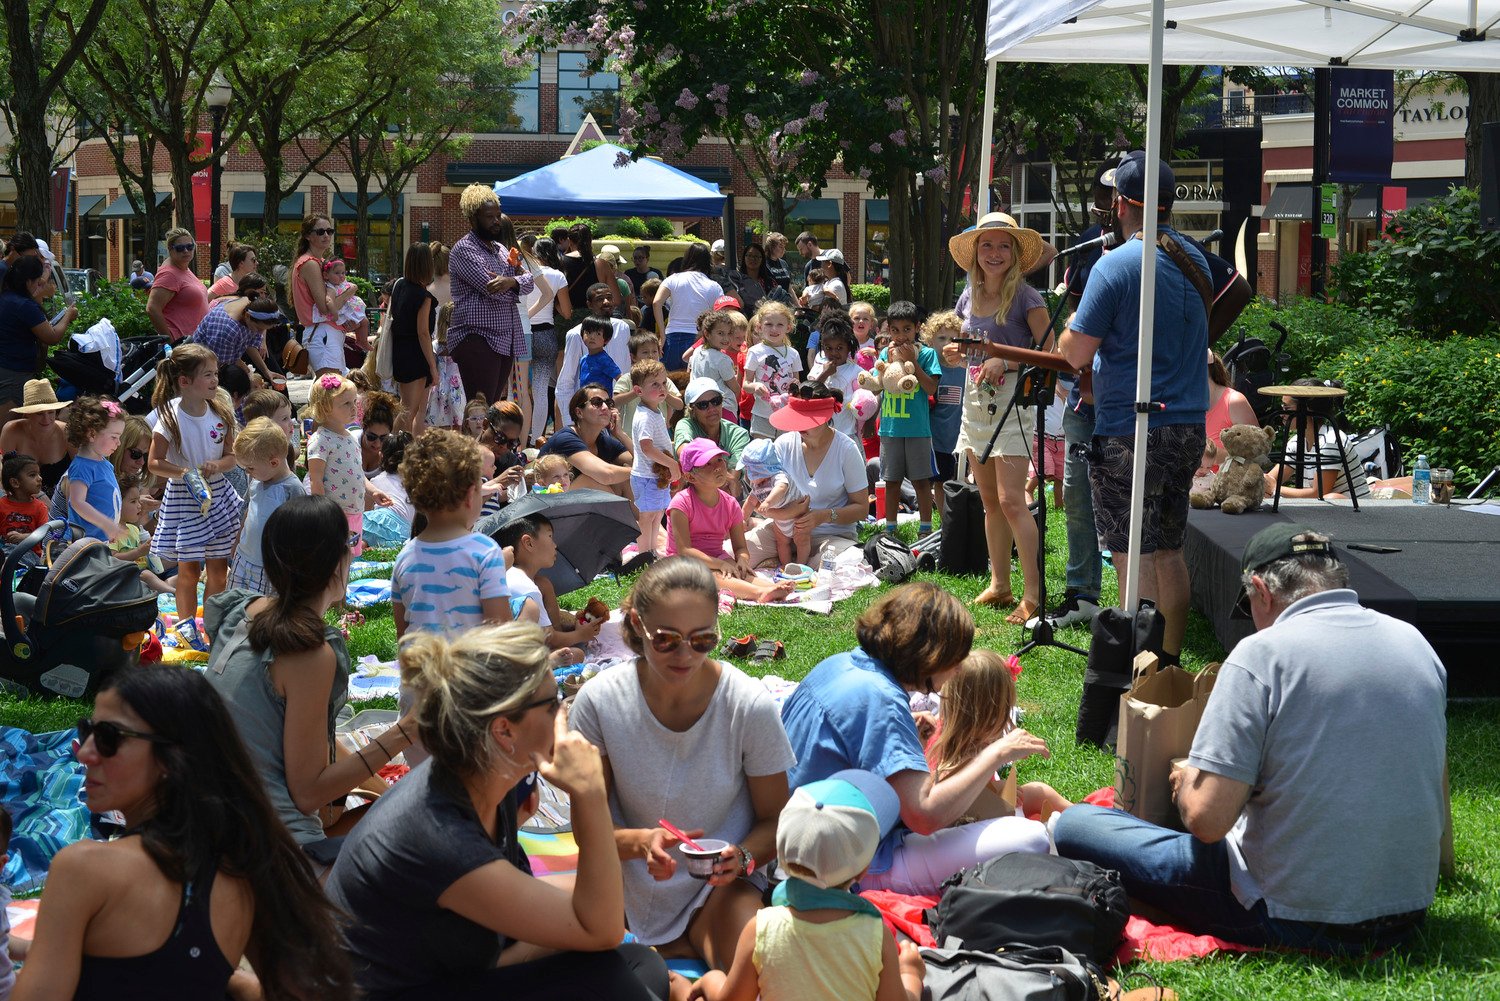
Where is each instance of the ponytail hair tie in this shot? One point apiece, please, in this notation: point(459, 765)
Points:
point(331, 382)
point(112, 408)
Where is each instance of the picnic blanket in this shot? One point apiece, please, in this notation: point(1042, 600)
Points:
point(41, 786)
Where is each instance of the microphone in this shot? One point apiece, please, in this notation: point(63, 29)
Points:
point(1213, 237)
point(1108, 241)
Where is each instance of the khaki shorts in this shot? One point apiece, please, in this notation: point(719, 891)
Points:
point(984, 405)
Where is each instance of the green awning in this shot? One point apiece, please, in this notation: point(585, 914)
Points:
point(877, 210)
point(251, 205)
point(121, 208)
point(380, 208)
point(89, 204)
point(813, 210)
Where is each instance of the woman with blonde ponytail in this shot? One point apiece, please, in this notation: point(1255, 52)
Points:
point(446, 905)
point(285, 674)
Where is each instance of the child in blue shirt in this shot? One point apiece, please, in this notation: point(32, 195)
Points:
point(597, 365)
point(947, 403)
point(94, 429)
point(905, 424)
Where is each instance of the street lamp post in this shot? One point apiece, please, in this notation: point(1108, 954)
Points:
point(217, 99)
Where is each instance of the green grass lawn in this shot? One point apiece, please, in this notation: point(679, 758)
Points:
point(1458, 954)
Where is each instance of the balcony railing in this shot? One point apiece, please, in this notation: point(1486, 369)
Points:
point(1244, 111)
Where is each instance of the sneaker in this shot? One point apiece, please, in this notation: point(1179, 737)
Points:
point(1074, 611)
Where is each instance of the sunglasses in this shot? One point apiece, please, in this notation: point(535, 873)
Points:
point(183, 248)
point(107, 736)
point(323, 232)
point(552, 702)
point(600, 401)
point(667, 640)
point(376, 439)
point(712, 404)
point(136, 454)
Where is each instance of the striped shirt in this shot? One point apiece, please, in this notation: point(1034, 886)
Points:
point(1330, 442)
point(496, 317)
point(225, 336)
point(441, 585)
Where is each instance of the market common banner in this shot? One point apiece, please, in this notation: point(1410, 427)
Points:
point(1361, 135)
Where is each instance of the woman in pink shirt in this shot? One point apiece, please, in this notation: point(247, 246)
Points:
point(324, 341)
point(703, 518)
point(242, 261)
point(179, 300)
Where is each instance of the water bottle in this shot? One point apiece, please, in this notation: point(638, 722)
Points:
point(1421, 482)
point(825, 569)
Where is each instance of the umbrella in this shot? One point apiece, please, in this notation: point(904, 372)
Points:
point(590, 526)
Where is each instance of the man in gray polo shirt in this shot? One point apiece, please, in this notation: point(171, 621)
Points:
point(1313, 793)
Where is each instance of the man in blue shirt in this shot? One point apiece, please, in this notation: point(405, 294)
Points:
point(1106, 332)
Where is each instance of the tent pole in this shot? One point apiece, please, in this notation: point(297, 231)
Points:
point(1131, 588)
point(986, 140)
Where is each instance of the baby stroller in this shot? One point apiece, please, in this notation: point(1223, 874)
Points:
point(98, 363)
point(1252, 365)
point(69, 625)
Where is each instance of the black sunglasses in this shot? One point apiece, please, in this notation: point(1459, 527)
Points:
point(323, 232)
point(137, 454)
point(107, 736)
point(376, 439)
point(600, 401)
point(183, 248)
point(717, 401)
point(667, 640)
point(552, 702)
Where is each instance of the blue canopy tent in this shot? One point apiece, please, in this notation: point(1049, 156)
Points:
point(589, 184)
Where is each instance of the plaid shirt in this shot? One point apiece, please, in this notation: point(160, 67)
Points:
point(225, 336)
point(495, 317)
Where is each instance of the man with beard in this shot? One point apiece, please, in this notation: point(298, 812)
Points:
point(485, 333)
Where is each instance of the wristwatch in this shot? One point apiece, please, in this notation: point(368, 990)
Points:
point(747, 861)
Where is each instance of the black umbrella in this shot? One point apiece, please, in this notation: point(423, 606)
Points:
point(590, 526)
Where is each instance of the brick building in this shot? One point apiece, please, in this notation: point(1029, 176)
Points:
point(547, 111)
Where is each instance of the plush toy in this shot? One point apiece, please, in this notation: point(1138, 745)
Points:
point(870, 380)
point(864, 403)
point(1240, 484)
point(899, 377)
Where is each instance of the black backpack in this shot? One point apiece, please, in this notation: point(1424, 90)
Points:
point(890, 558)
point(1117, 639)
point(1037, 900)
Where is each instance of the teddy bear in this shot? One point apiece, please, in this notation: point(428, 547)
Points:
point(1240, 484)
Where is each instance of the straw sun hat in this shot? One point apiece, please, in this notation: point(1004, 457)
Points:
point(1029, 243)
point(37, 397)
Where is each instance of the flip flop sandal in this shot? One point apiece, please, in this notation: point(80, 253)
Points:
point(741, 646)
point(767, 651)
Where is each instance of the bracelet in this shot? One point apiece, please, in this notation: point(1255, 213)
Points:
point(833, 516)
point(404, 734)
point(366, 762)
point(376, 740)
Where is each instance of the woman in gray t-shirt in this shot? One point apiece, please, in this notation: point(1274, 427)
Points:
point(694, 741)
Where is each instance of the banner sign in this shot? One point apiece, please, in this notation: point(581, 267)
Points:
point(61, 184)
point(203, 188)
point(1361, 136)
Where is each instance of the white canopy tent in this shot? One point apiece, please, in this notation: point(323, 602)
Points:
point(1452, 35)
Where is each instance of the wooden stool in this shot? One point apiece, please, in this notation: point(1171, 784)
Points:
point(1300, 395)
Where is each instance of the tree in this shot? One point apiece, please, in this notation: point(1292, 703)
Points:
point(1179, 85)
point(417, 97)
point(889, 88)
point(133, 153)
point(1484, 106)
point(155, 64)
point(289, 66)
point(43, 47)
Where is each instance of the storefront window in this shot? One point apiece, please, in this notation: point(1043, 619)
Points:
point(877, 268)
point(596, 94)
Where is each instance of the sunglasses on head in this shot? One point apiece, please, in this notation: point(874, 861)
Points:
point(552, 702)
point(107, 736)
point(717, 401)
point(183, 248)
point(323, 232)
point(667, 640)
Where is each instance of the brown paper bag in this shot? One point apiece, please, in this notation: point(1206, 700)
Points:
point(1158, 718)
point(992, 803)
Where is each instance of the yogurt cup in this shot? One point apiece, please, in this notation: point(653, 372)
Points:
point(700, 861)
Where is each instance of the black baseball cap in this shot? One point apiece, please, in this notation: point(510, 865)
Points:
point(1129, 179)
point(1278, 542)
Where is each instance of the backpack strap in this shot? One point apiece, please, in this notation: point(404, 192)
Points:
point(1189, 267)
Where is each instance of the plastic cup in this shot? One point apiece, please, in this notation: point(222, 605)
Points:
point(880, 502)
point(700, 860)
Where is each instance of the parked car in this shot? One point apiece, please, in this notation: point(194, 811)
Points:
point(82, 280)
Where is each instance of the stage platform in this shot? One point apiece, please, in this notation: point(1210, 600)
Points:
point(1445, 580)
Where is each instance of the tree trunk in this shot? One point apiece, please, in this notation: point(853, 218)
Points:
point(182, 186)
point(33, 180)
point(1484, 106)
point(270, 212)
point(362, 226)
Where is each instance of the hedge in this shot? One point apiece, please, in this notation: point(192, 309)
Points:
point(878, 296)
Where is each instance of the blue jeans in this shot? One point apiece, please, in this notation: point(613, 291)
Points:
point(1085, 570)
point(677, 342)
point(1189, 879)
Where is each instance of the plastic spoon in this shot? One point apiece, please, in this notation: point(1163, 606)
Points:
point(679, 834)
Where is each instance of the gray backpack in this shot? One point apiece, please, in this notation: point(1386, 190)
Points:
point(1022, 973)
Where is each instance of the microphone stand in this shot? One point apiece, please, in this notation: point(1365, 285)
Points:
point(1043, 633)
